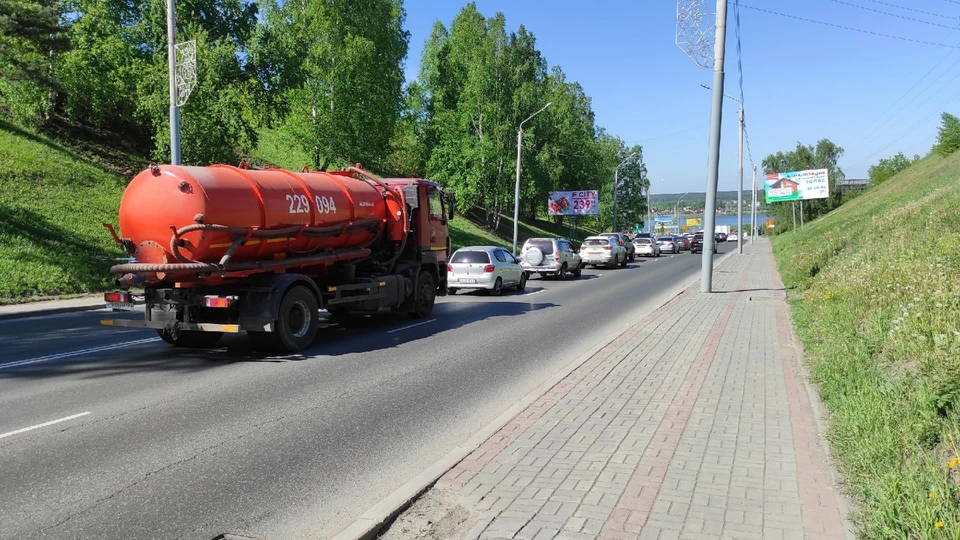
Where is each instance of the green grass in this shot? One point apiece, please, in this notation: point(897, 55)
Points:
point(52, 204)
point(874, 289)
point(278, 149)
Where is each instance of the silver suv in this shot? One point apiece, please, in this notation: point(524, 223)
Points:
point(550, 257)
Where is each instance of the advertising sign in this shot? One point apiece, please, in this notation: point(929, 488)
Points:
point(693, 222)
point(797, 185)
point(573, 203)
point(664, 219)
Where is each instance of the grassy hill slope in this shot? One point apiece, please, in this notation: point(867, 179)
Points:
point(53, 200)
point(875, 293)
point(52, 204)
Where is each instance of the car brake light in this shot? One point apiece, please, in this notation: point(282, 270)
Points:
point(449, 269)
point(488, 268)
point(117, 297)
point(218, 301)
point(583, 248)
point(608, 248)
point(556, 255)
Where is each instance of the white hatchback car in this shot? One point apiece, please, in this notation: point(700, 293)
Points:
point(646, 247)
point(603, 251)
point(490, 268)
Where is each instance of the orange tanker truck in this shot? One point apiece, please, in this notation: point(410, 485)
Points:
point(224, 249)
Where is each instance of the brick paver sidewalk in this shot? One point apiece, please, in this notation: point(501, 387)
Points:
point(710, 436)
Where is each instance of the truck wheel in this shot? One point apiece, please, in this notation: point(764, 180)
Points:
point(191, 339)
point(426, 294)
point(296, 327)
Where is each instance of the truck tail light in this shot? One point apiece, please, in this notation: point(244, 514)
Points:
point(488, 269)
point(218, 301)
point(117, 297)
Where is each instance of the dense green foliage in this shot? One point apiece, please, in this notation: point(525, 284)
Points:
point(878, 318)
point(888, 167)
point(948, 136)
point(326, 78)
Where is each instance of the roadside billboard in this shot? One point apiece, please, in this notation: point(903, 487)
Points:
point(664, 219)
point(797, 185)
point(693, 222)
point(573, 203)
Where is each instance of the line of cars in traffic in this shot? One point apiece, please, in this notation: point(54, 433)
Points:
point(493, 268)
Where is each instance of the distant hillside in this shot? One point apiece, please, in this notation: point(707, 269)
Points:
point(699, 196)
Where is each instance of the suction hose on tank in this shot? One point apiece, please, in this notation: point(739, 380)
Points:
point(244, 233)
point(175, 268)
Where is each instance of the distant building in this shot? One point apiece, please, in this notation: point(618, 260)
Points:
point(852, 184)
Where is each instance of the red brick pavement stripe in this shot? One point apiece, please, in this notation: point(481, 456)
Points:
point(819, 508)
point(464, 471)
point(636, 504)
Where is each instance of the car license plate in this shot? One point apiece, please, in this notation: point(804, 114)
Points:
point(467, 280)
point(121, 306)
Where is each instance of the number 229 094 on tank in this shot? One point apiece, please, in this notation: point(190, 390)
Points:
point(300, 204)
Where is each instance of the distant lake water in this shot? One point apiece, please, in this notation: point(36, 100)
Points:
point(722, 219)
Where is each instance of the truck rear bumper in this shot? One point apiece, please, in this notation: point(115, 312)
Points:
point(160, 325)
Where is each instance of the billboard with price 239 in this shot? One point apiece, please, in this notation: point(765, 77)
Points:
point(573, 203)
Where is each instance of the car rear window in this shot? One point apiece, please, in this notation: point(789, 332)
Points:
point(642, 241)
point(544, 245)
point(471, 257)
point(595, 242)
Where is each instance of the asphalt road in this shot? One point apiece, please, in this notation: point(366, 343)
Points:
point(156, 442)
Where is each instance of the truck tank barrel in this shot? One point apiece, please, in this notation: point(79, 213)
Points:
point(221, 216)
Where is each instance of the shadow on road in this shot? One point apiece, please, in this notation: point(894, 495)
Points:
point(336, 337)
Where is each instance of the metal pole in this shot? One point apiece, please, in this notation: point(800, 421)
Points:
point(649, 214)
point(516, 192)
point(794, 206)
point(801, 214)
point(713, 161)
point(516, 189)
point(616, 180)
point(172, 68)
point(740, 190)
point(753, 208)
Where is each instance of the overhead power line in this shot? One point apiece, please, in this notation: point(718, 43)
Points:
point(905, 8)
point(841, 2)
point(841, 27)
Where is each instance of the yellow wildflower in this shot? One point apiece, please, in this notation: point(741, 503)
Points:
point(938, 524)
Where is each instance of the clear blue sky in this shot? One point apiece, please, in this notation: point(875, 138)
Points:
point(801, 81)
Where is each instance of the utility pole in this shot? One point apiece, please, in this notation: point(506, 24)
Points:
point(740, 190)
point(801, 213)
point(172, 68)
point(616, 184)
point(753, 209)
point(793, 205)
point(516, 189)
point(676, 211)
point(713, 161)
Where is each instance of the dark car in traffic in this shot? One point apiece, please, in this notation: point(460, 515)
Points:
point(696, 244)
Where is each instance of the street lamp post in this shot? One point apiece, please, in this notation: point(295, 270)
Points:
point(676, 211)
point(616, 182)
point(649, 210)
point(516, 191)
point(740, 170)
point(753, 209)
point(172, 68)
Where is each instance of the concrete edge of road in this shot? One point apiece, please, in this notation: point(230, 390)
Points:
point(54, 307)
point(372, 522)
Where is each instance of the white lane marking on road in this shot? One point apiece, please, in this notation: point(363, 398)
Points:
point(533, 293)
point(411, 326)
point(60, 356)
point(45, 424)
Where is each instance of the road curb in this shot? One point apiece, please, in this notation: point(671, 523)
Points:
point(372, 522)
point(43, 312)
